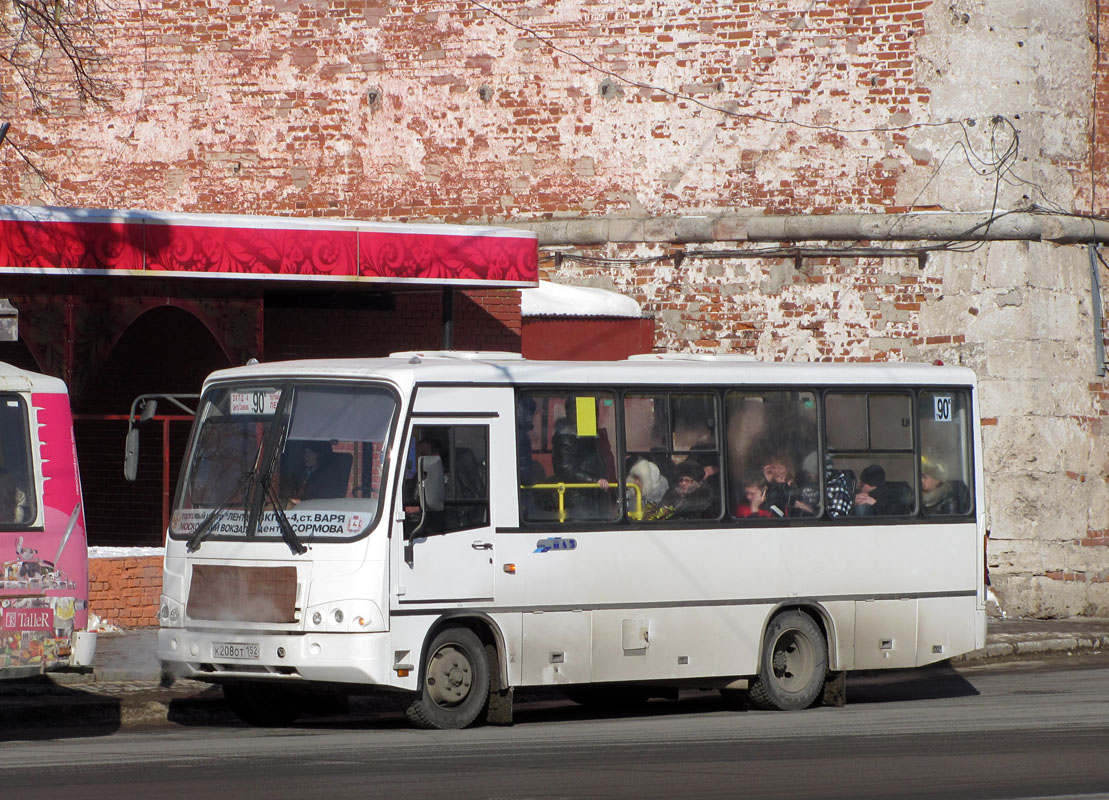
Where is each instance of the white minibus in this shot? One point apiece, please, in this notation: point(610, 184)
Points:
point(456, 525)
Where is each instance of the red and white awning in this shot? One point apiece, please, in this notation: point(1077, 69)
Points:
point(74, 241)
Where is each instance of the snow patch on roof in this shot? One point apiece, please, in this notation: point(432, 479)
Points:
point(127, 552)
point(556, 300)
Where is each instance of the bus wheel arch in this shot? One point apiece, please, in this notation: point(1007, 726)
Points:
point(793, 660)
point(462, 675)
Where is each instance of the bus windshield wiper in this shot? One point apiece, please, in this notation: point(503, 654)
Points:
point(283, 524)
point(205, 528)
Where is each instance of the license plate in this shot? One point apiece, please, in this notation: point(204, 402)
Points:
point(235, 650)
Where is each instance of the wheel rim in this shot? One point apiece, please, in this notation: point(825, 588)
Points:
point(450, 674)
point(794, 660)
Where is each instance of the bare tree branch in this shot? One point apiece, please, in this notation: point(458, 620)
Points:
point(42, 40)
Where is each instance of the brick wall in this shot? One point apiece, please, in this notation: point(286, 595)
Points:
point(434, 110)
point(585, 338)
point(126, 591)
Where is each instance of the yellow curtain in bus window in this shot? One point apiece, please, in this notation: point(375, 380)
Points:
point(587, 416)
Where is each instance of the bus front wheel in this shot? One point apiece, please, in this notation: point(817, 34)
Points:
point(455, 681)
point(794, 663)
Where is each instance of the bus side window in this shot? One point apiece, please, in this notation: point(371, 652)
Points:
point(870, 453)
point(565, 455)
point(672, 458)
point(946, 474)
point(773, 459)
point(464, 450)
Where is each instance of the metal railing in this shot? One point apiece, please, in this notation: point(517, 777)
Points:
point(560, 488)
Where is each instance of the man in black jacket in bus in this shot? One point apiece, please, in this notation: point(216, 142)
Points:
point(878, 497)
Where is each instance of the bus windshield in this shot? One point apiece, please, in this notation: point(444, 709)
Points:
point(261, 456)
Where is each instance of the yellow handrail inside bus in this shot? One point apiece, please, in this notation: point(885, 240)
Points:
point(561, 488)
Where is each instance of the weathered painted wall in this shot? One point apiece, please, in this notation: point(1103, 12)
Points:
point(634, 111)
point(443, 110)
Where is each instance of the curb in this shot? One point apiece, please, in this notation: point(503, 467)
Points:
point(1022, 646)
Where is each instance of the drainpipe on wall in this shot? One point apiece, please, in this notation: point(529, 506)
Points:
point(920, 227)
point(1095, 291)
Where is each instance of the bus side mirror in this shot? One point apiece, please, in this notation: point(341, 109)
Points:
point(433, 488)
point(147, 410)
point(131, 455)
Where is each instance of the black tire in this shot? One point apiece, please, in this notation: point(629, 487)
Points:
point(263, 706)
point(793, 666)
point(455, 682)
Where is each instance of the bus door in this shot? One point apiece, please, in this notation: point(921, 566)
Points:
point(447, 554)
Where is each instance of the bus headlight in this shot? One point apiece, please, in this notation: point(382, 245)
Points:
point(347, 616)
point(171, 614)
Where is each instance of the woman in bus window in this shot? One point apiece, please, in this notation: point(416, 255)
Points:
point(652, 486)
point(688, 498)
point(938, 497)
point(783, 490)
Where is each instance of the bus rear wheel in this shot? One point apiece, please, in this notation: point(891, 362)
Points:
point(263, 706)
point(455, 682)
point(794, 664)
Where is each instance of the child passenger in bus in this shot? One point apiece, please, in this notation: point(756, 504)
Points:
point(755, 489)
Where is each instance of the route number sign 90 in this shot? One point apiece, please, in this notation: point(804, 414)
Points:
point(261, 402)
point(943, 408)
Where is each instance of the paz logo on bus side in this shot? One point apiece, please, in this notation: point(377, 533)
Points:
point(555, 543)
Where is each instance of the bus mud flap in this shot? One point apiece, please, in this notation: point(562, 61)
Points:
point(835, 690)
point(499, 708)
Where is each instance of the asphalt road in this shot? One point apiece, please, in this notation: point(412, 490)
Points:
point(1022, 730)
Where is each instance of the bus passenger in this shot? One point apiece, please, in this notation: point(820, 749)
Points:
point(315, 477)
point(809, 481)
point(783, 490)
point(837, 490)
point(868, 498)
point(704, 453)
point(13, 500)
point(877, 496)
point(652, 486)
point(938, 497)
point(525, 423)
point(689, 498)
point(754, 488)
point(578, 459)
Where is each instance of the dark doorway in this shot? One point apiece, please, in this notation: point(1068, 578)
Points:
point(166, 350)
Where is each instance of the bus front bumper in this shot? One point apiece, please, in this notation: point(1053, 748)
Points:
point(357, 658)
